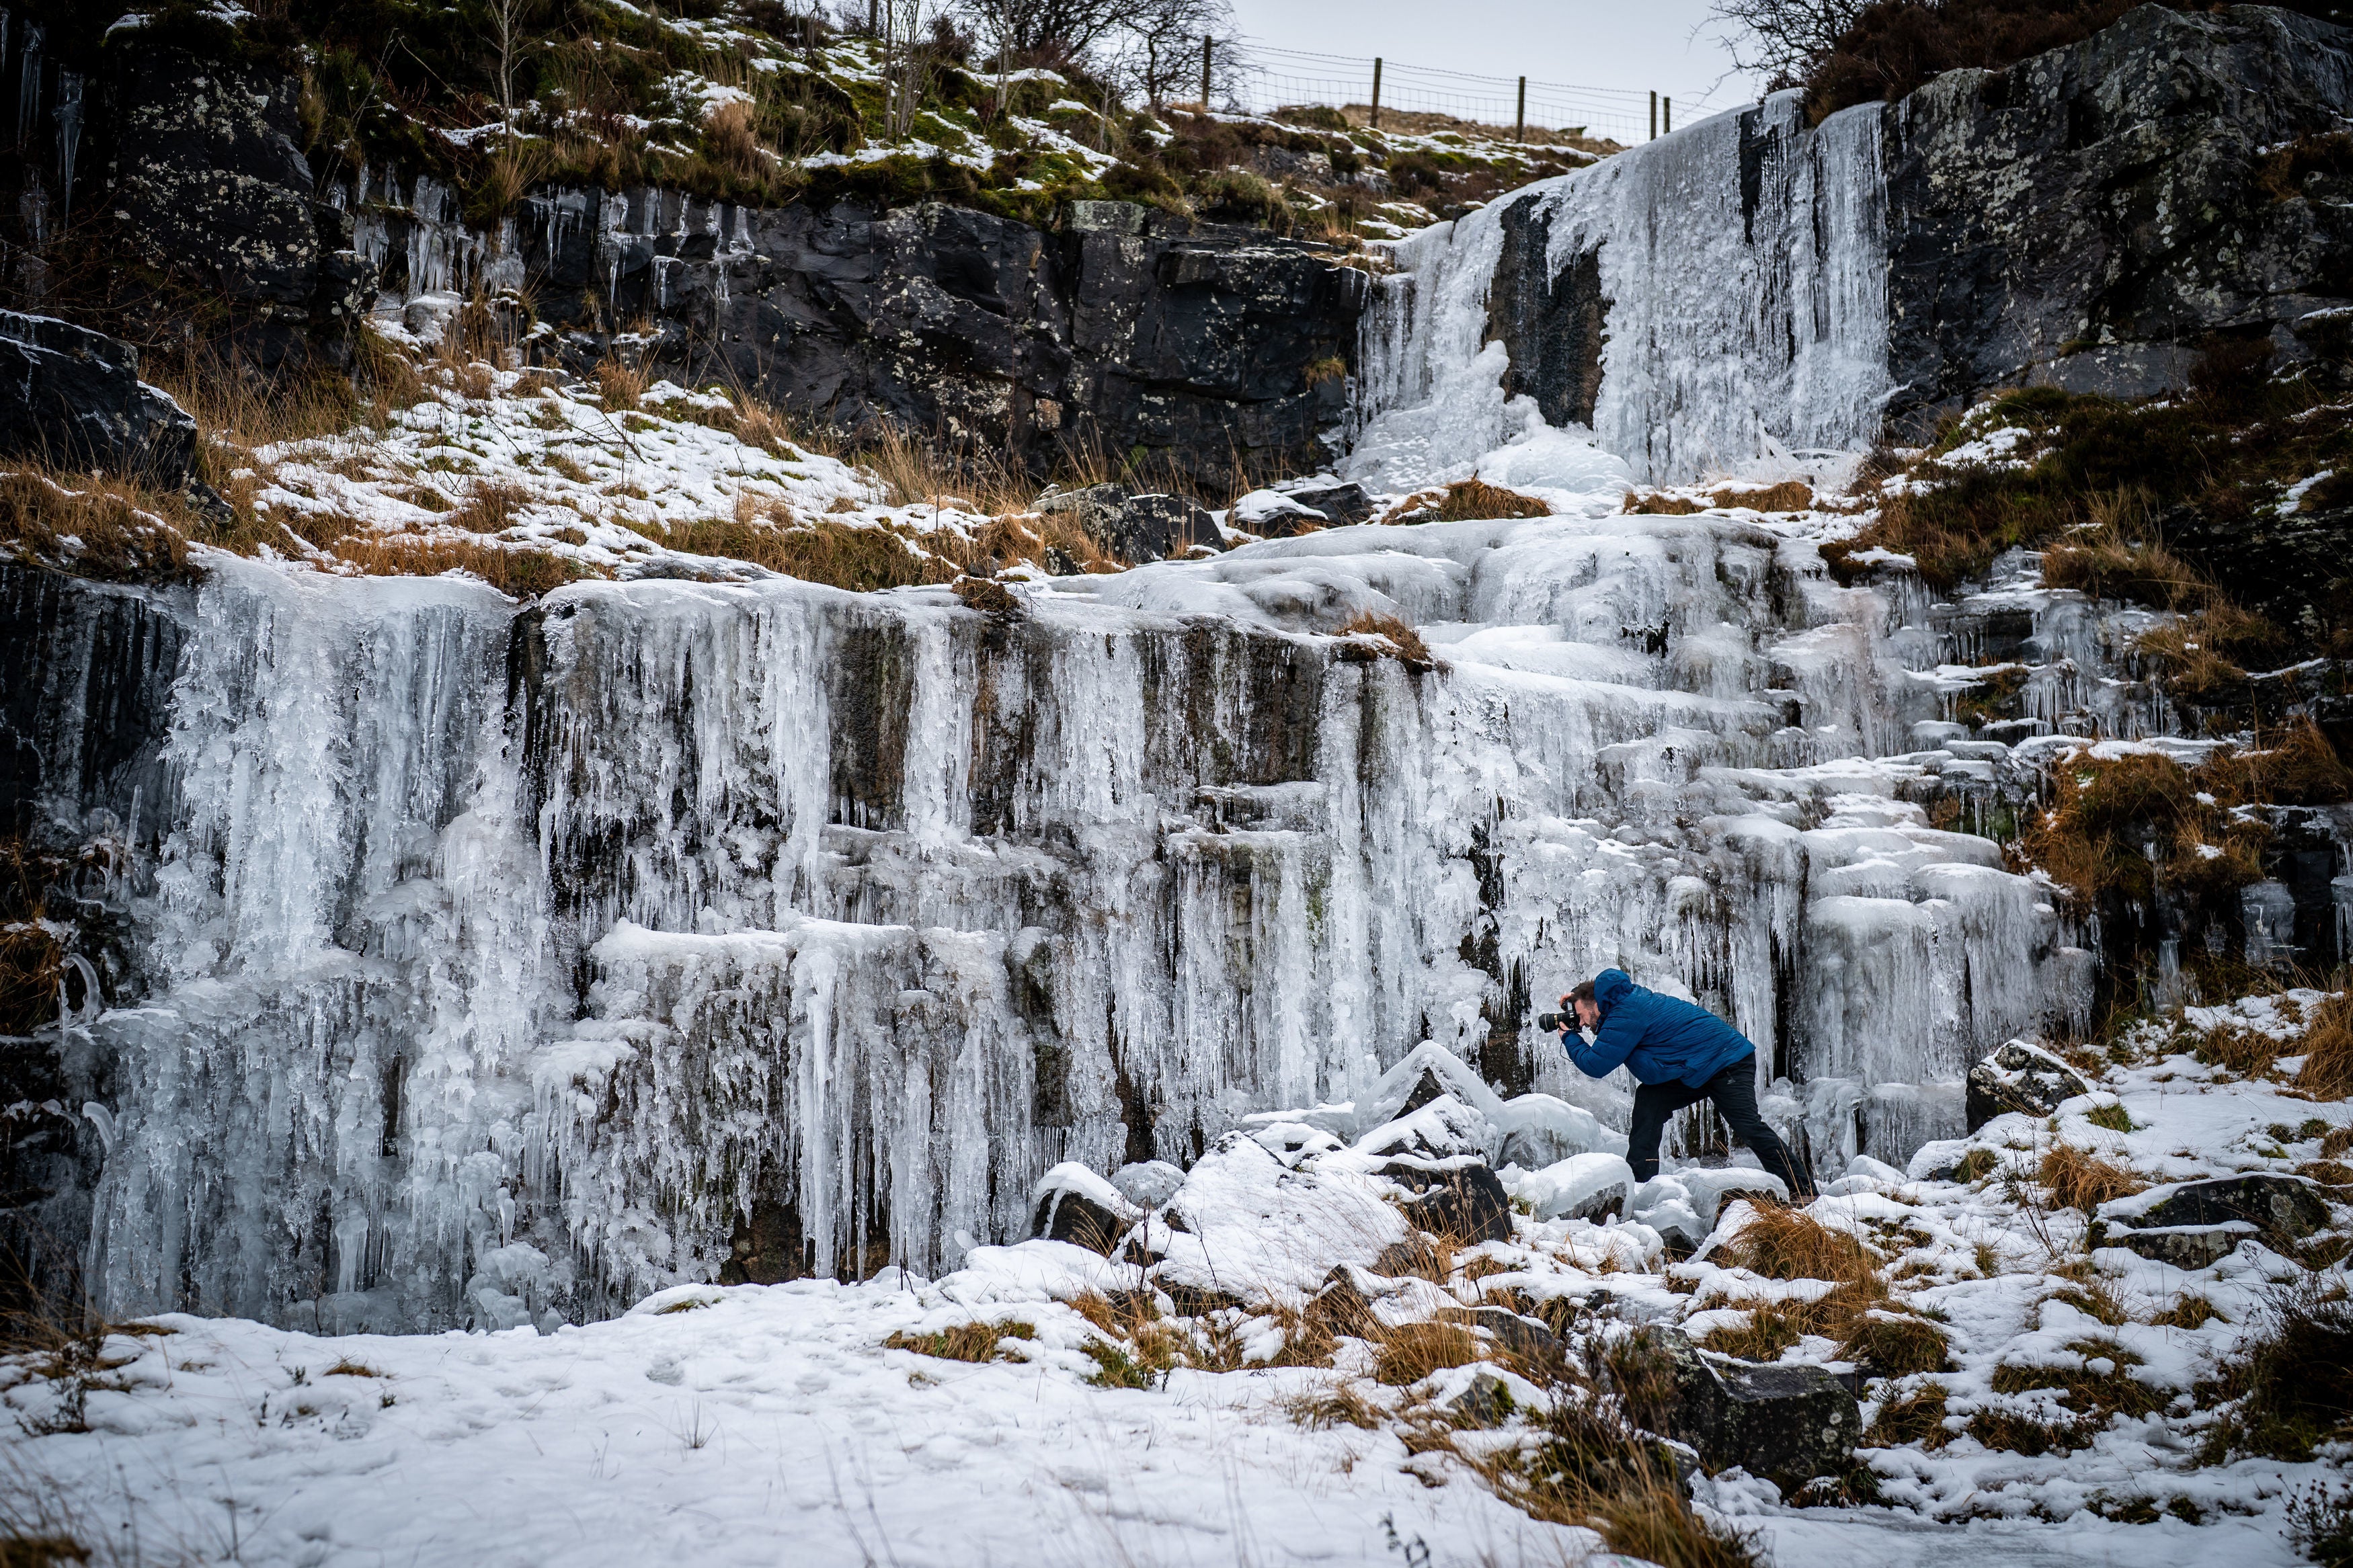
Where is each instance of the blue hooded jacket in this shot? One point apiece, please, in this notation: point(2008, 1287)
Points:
point(1657, 1038)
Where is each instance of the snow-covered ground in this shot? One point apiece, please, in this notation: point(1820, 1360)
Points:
point(775, 1425)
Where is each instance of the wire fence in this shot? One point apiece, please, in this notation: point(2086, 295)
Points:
point(1258, 77)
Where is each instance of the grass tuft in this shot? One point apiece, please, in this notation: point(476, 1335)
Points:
point(973, 1342)
point(2078, 1179)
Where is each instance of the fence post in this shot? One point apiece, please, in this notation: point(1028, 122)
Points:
point(1654, 114)
point(1520, 129)
point(1667, 114)
point(1377, 92)
point(1205, 73)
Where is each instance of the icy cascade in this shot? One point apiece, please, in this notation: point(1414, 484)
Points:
point(506, 965)
point(1742, 269)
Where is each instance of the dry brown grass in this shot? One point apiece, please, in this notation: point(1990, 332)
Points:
point(1410, 649)
point(2328, 1050)
point(518, 573)
point(1783, 1244)
point(109, 530)
point(1917, 1416)
point(1896, 1344)
point(1337, 1404)
point(2078, 1179)
point(859, 557)
point(619, 385)
point(346, 1367)
point(973, 1342)
point(2117, 554)
point(1474, 499)
point(1415, 1351)
point(490, 507)
point(1789, 495)
point(2191, 1311)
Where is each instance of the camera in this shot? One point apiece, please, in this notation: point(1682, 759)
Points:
point(1554, 1023)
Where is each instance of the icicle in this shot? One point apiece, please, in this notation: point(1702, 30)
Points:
point(69, 116)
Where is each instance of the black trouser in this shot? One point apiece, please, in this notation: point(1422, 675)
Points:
point(1734, 1090)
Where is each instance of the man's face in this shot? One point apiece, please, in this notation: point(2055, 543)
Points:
point(1589, 1013)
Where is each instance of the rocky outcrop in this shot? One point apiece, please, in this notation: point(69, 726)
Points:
point(72, 396)
point(2088, 217)
point(1203, 345)
point(215, 190)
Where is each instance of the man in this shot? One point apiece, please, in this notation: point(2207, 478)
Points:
point(1679, 1055)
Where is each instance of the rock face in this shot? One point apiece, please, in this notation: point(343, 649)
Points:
point(74, 396)
point(2086, 217)
point(1126, 330)
point(214, 187)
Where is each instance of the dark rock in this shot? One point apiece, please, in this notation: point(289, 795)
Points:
point(1341, 503)
point(2020, 1076)
point(1526, 1338)
point(1466, 1205)
point(1488, 1401)
point(2086, 217)
point(2184, 1246)
point(1158, 527)
point(1343, 1306)
point(1193, 1301)
point(1788, 1424)
point(213, 189)
point(2286, 1208)
point(74, 397)
point(1068, 1212)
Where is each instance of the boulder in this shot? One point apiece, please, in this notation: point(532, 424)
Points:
point(1076, 1205)
point(2185, 1246)
point(1466, 1205)
point(73, 396)
point(2020, 1076)
point(1340, 502)
point(1583, 1187)
point(1785, 1423)
point(1159, 526)
point(1270, 514)
point(1488, 1401)
point(2284, 1209)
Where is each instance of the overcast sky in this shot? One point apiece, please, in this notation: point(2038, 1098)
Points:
point(1634, 46)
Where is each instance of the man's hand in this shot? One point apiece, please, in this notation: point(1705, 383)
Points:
point(1568, 1018)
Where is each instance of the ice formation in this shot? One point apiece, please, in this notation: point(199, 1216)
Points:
point(503, 965)
point(1744, 263)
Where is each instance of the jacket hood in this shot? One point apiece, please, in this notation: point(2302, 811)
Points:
point(1610, 988)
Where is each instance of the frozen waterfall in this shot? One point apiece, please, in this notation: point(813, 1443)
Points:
point(500, 965)
point(1741, 269)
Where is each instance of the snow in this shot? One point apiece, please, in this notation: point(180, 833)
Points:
point(713, 1422)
